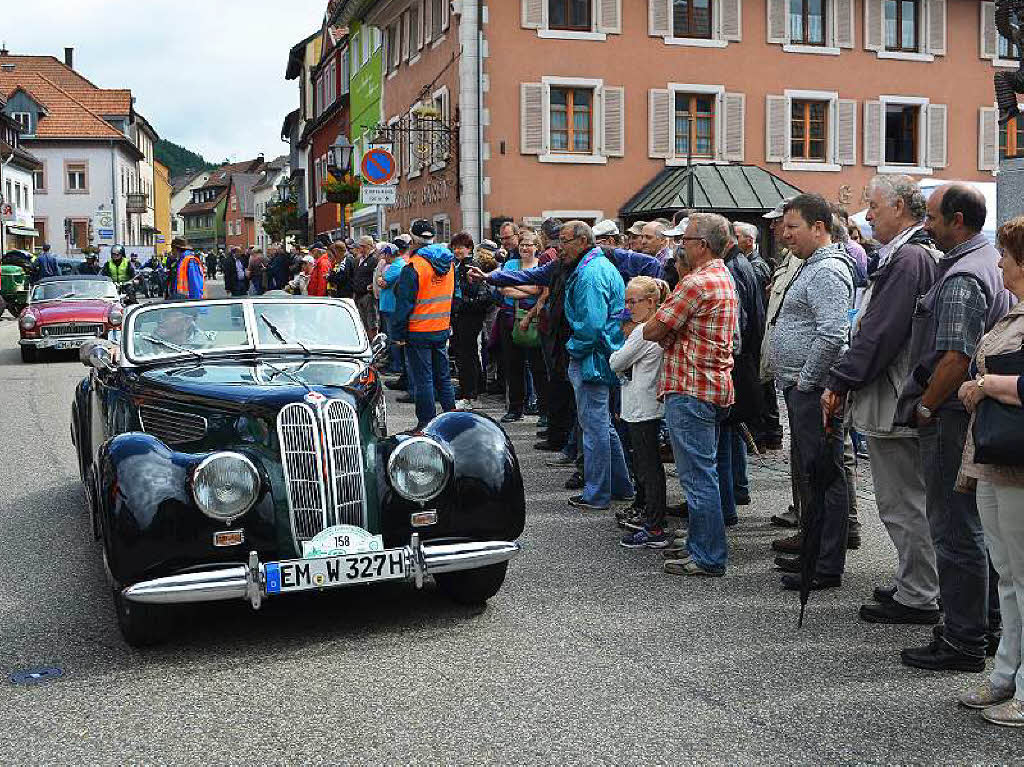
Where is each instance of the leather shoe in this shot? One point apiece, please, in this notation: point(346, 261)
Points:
point(789, 545)
point(546, 447)
point(940, 655)
point(398, 384)
point(742, 500)
point(575, 482)
point(852, 541)
point(892, 612)
point(406, 399)
point(788, 564)
point(883, 595)
point(788, 518)
point(818, 582)
point(991, 639)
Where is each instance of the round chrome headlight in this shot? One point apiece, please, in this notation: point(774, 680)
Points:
point(115, 315)
point(28, 321)
point(225, 486)
point(419, 468)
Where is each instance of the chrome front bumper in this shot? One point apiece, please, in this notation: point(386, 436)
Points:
point(250, 582)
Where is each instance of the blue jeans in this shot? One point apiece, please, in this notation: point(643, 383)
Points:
point(740, 482)
point(726, 471)
point(604, 466)
point(428, 369)
point(396, 354)
point(693, 427)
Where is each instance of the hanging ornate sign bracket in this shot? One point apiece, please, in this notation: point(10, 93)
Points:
point(429, 137)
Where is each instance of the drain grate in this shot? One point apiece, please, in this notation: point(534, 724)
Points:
point(40, 675)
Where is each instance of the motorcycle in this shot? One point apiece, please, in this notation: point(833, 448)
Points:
point(142, 283)
point(127, 290)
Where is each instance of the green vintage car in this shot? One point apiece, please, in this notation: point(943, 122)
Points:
point(239, 449)
point(14, 280)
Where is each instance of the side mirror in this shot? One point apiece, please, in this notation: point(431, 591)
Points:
point(379, 346)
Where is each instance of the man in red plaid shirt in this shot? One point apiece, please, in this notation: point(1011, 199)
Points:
point(695, 326)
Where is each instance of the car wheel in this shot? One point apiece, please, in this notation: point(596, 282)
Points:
point(141, 625)
point(29, 354)
point(472, 587)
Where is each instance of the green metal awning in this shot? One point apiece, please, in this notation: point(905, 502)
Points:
point(23, 231)
point(716, 188)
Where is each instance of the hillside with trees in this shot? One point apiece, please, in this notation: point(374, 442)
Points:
point(178, 159)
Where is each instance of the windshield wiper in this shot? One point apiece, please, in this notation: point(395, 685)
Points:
point(280, 336)
point(169, 345)
point(290, 374)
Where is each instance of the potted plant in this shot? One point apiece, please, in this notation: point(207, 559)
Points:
point(344, 190)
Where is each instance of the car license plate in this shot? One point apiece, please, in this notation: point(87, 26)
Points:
point(328, 572)
point(67, 344)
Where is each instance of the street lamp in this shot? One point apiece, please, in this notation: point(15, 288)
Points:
point(284, 190)
point(341, 154)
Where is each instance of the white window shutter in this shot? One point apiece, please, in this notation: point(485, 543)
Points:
point(446, 15)
point(428, 27)
point(776, 124)
point(407, 49)
point(419, 21)
point(989, 34)
point(659, 18)
point(937, 136)
point(533, 14)
point(659, 123)
point(873, 133)
point(734, 110)
point(988, 138)
point(731, 15)
point(843, 14)
point(610, 20)
point(874, 39)
point(937, 27)
point(846, 132)
point(614, 116)
point(531, 118)
point(778, 21)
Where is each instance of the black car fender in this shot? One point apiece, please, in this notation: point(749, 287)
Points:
point(80, 426)
point(149, 520)
point(484, 498)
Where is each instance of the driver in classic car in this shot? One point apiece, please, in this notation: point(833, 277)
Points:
point(175, 327)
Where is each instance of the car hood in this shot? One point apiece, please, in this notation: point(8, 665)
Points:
point(253, 382)
point(86, 310)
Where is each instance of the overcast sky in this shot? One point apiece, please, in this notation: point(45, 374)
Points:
point(208, 74)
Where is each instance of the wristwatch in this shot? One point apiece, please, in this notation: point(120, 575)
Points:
point(981, 382)
point(924, 411)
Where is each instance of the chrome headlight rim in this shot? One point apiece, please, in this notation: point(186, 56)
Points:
point(220, 455)
point(28, 322)
point(447, 461)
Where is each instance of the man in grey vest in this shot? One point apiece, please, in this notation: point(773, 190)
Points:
point(877, 362)
point(965, 301)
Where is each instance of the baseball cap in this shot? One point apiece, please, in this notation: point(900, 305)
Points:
point(551, 227)
point(308, 259)
point(777, 211)
point(402, 242)
point(387, 249)
point(490, 245)
point(678, 230)
point(637, 228)
point(605, 228)
point(421, 228)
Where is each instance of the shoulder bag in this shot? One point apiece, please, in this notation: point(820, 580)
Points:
point(999, 428)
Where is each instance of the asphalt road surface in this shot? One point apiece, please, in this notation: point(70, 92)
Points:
point(588, 654)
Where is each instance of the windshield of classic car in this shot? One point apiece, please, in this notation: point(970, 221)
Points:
point(306, 323)
point(175, 330)
point(72, 289)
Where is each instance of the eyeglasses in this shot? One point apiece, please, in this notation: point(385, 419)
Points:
point(634, 301)
point(697, 239)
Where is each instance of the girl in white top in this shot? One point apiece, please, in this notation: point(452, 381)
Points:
point(638, 365)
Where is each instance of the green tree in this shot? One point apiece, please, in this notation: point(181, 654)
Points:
point(279, 219)
point(178, 159)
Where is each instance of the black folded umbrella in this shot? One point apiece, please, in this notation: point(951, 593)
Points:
point(822, 473)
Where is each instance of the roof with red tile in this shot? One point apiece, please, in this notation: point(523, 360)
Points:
point(67, 116)
point(105, 101)
point(51, 67)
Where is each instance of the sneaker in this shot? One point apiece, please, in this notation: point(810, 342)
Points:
point(986, 694)
point(542, 422)
point(634, 521)
point(1009, 714)
point(511, 417)
point(575, 482)
point(531, 409)
point(577, 502)
point(689, 567)
point(464, 404)
point(644, 538)
point(560, 460)
point(623, 498)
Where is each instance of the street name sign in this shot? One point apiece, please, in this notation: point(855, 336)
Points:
point(378, 195)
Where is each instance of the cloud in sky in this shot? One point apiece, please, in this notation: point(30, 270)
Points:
point(208, 74)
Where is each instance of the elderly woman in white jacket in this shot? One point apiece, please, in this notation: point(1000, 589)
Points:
point(638, 365)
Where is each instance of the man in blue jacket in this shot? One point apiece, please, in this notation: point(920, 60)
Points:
point(421, 321)
point(46, 264)
point(594, 303)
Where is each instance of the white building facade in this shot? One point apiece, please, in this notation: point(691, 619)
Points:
point(265, 194)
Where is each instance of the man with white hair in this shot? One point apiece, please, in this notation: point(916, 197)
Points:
point(746, 239)
point(606, 233)
point(653, 241)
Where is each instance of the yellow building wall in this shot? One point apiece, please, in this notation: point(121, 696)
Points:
point(162, 206)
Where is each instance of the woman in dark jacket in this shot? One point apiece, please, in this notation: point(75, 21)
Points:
point(472, 300)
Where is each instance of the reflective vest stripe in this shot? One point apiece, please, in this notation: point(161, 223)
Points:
point(432, 311)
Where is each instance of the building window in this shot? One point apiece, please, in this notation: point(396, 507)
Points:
point(691, 18)
point(40, 226)
point(437, 16)
point(394, 48)
point(39, 179)
point(901, 25)
point(566, 14)
point(442, 229)
point(807, 22)
point(415, 40)
point(1008, 50)
point(695, 125)
point(1011, 139)
point(572, 118)
point(809, 130)
point(24, 119)
point(77, 177)
point(902, 122)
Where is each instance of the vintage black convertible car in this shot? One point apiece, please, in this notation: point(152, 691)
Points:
point(238, 449)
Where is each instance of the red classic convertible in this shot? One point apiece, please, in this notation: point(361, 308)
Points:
point(65, 312)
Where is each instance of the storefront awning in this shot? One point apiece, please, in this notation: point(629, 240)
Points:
point(725, 189)
point(23, 231)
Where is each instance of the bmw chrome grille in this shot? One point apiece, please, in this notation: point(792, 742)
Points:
point(72, 329)
point(170, 426)
point(322, 461)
